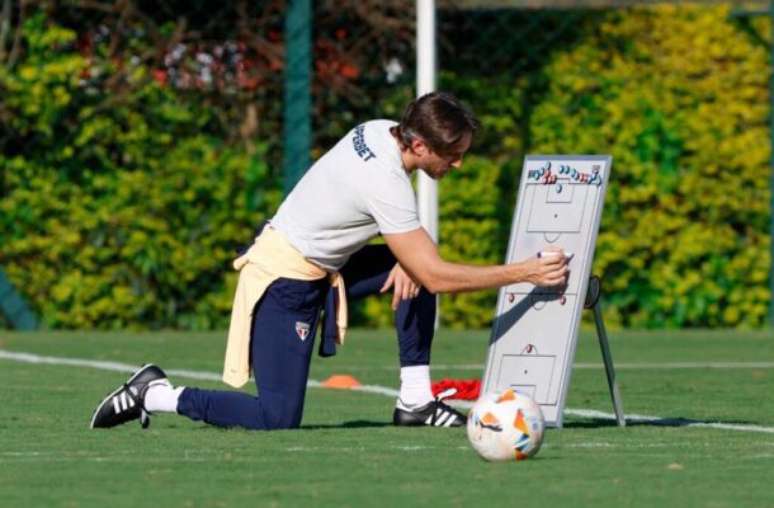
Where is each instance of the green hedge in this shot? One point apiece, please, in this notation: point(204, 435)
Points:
point(122, 203)
point(118, 210)
point(469, 233)
point(679, 96)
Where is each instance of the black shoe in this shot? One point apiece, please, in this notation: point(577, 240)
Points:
point(126, 403)
point(434, 413)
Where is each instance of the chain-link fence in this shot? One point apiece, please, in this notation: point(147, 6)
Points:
point(105, 104)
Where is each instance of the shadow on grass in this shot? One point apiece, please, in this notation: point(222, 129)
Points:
point(355, 424)
point(594, 423)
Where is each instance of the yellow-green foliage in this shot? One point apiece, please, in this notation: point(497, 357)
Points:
point(121, 205)
point(469, 233)
point(118, 210)
point(679, 96)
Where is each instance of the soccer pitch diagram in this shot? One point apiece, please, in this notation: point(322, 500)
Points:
point(535, 331)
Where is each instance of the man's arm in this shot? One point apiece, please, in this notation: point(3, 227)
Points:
point(418, 255)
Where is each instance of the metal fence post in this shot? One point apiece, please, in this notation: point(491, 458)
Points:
point(13, 306)
point(771, 164)
point(297, 108)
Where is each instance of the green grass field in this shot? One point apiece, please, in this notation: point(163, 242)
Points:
point(347, 453)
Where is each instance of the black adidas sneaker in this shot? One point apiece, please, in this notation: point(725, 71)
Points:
point(125, 403)
point(435, 413)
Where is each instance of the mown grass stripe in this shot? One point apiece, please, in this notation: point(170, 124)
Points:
point(376, 389)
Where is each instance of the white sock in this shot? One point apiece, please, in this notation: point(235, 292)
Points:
point(161, 396)
point(415, 385)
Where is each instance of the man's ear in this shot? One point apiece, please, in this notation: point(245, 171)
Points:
point(419, 147)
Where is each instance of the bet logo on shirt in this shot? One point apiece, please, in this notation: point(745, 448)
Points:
point(360, 146)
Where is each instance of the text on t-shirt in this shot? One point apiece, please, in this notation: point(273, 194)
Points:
point(358, 142)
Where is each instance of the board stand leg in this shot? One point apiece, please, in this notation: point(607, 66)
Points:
point(592, 302)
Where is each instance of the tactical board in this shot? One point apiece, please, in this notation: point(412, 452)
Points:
point(535, 331)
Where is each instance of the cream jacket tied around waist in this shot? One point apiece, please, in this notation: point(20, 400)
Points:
point(269, 258)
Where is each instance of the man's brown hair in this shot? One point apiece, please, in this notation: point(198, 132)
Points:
point(439, 119)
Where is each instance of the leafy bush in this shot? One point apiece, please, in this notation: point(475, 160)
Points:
point(118, 209)
point(469, 233)
point(679, 96)
point(122, 203)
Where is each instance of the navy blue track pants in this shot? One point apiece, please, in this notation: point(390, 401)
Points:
point(282, 340)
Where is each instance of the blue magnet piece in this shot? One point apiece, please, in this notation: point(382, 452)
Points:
point(558, 188)
point(548, 165)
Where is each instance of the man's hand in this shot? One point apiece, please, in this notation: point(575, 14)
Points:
point(550, 269)
point(405, 287)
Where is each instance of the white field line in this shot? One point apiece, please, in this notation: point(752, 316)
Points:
point(181, 373)
point(683, 365)
point(380, 390)
point(581, 365)
point(33, 457)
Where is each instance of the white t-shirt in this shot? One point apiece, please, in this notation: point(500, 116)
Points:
point(354, 192)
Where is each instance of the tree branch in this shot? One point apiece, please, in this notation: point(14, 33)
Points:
point(17, 38)
point(5, 27)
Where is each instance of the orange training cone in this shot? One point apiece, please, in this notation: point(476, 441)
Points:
point(341, 382)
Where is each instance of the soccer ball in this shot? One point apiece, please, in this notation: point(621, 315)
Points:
point(505, 426)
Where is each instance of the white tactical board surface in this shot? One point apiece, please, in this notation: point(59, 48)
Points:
point(535, 331)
